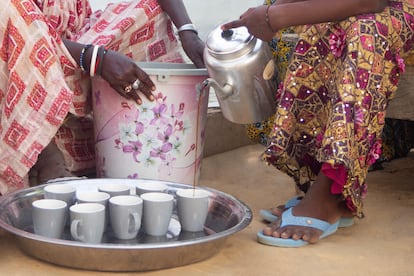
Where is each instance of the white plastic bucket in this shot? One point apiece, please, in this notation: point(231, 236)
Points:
point(160, 140)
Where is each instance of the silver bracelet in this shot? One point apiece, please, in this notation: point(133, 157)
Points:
point(187, 27)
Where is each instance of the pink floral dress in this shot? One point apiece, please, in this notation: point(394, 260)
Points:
point(43, 95)
point(333, 99)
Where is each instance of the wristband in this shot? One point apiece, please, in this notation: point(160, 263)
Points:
point(93, 60)
point(188, 27)
point(268, 20)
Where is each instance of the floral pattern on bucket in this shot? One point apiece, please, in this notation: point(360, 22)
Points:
point(153, 136)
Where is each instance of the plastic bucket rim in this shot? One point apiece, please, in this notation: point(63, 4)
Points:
point(172, 69)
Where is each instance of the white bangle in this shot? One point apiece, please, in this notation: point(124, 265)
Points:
point(93, 60)
point(187, 27)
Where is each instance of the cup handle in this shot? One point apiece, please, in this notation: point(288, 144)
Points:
point(134, 222)
point(74, 227)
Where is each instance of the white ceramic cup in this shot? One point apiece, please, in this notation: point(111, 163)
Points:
point(65, 192)
point(95, 197)
point(125, 212)
point(49, 217)
point(115, 189)
point(87, 222)
point(192, 208)
point(150, 187)
point(157, 213)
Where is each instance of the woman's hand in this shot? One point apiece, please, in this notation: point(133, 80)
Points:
point(193, 46)
point(121, 72)
point(254, 19)
point(288, 13)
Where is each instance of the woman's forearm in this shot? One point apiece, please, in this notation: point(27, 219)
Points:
point(287, 1)
point(176, 10)
point(75, 50)
point(283, 14)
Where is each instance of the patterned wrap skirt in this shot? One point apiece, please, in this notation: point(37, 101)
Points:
point(332, 101)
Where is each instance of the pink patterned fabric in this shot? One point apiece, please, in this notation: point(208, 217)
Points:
point(41, 86)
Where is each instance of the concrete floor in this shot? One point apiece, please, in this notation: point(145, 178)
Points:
point(380, 244)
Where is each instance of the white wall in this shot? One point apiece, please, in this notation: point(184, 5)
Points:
point(207, 15)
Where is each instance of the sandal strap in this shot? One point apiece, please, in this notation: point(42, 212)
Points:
point(293, 202)
point(289, 219)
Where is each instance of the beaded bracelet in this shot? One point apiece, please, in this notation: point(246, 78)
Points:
point(93, 61)
point(81, 57)
point(268, 20)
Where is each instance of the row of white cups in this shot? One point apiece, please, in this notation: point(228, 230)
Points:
point(88, 213)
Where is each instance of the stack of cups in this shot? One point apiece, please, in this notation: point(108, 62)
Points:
point(122, 211)
point(90, 212)
point(158, 207)
point(89, 216)
point(50, 213)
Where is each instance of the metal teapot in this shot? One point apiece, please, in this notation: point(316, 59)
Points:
point(236, 62)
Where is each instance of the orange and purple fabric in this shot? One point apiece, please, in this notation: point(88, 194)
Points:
point(333, 98)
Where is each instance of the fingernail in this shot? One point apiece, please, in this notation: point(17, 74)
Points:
point(151, 98)
point(139, 101)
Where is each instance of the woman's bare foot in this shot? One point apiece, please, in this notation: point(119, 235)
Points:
point(278, 210)
point(50, 165)
point(318, 203)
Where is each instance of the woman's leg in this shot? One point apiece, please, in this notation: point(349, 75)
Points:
point(332, 113)
point(317, 203)
point(50, 164)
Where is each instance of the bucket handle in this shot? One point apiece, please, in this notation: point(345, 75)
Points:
point(202, 90)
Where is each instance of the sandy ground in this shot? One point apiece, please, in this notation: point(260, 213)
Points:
point(380, 244)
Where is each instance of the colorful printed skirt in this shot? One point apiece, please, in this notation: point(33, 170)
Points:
point(332, 102)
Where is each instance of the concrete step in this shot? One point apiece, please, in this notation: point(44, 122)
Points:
point(222, 135)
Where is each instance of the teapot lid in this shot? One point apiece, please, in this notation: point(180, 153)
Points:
point(229, 43)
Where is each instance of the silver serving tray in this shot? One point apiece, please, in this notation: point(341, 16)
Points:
point(227, 215)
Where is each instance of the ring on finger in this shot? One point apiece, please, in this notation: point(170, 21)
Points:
point(128, 88)
point(135, 84)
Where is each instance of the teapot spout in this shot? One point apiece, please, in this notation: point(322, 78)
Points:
point(222, 92)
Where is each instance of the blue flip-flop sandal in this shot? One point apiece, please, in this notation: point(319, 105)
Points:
point(289, 219)
point(269, 217)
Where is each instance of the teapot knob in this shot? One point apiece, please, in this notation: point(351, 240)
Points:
point(227, 34)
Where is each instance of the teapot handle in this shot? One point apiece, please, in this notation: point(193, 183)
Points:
point(269, 70)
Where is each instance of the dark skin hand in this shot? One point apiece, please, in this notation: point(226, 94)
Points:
point(193, 47)
point(119, 67)
point(192, 44)
point(120, 71)
point(288, 13)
